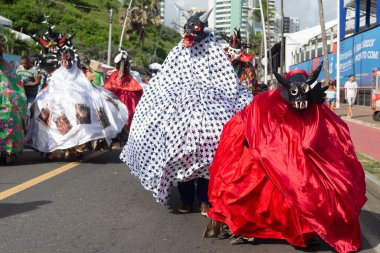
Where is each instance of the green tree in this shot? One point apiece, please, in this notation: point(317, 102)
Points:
point(16, 45)
point(89, 19)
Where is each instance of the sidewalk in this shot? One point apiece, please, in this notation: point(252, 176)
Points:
point(362, 115)
point(365, 134)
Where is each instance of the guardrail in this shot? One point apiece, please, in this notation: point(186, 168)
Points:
point(363, 97)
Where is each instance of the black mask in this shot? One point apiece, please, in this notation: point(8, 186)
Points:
point(66, 57)
point(296, 89)
point(194, 28)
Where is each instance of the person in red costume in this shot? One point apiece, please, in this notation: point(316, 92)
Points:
point(286, 168)
point(123, 85)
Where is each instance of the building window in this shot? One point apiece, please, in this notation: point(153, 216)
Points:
point(223, 2)
point(221, 13)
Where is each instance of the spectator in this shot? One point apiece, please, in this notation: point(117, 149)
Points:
point(97, 70)
point(146, 79)
point(331, 95)
point(30, 78)
point(350, 92)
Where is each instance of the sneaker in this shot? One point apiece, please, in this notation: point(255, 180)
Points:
point(205, 207)
point(185, 208)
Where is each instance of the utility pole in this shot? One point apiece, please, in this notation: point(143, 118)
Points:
point(265, 44)
point(110, 40)
point(282, 50)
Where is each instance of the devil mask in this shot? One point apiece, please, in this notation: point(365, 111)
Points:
point(236, 45)
point(67, 57)
point(296, 88)
point(194, 29)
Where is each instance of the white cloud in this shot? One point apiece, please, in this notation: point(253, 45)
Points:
point(307, 11)
point(172, 12)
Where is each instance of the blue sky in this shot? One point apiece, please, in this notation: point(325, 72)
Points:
point(308, 16)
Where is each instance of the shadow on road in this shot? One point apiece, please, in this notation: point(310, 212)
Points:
point(106, 157)
point(10, 209)
point(174, 201)
point(370, 226)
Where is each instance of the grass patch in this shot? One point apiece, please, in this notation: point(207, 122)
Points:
point(370, 165)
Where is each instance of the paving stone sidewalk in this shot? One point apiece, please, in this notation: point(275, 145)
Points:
point(361, 114)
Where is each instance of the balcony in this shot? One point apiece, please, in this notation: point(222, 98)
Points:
point(224, 26)
point(224, 15)
point(223, 6)
point(218, 20)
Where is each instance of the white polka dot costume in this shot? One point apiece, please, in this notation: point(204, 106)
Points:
point(178, 121)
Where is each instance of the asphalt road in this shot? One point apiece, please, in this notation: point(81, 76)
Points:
point(98, 206)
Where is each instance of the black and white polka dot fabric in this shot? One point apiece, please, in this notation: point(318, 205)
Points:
point(177, 124)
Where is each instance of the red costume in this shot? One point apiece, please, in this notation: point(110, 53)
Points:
point(127, 89)
point(288, 174)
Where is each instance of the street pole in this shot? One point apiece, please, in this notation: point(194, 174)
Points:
point(282, 53)
point(110, 40)
point(265, 43)
point(125, 21)
point(340, 9)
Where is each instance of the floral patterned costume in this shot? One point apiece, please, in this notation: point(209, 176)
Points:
point(12, 110)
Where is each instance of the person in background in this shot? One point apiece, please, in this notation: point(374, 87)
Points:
point(271, 85)
point(331, 95)
point(350, 92)
point(97, 71)
point(125, 86)
point(30, 78)
point(145, 79)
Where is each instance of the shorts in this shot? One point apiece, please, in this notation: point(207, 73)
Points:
point(330, 100)
point(350, 100)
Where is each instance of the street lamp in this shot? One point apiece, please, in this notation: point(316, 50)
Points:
point(265, 38)
point(129, 10)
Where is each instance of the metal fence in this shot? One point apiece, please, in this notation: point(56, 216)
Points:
point(363, 97)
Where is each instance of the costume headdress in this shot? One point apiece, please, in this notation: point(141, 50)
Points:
point(55, 45)
point(122, 60)
point(236, 46)
point(194, 29)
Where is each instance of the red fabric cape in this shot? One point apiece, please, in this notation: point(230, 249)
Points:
point(282, 173)
point(128, 90)
point(126, 83)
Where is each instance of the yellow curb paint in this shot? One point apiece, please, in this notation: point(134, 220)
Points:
point(21, 187)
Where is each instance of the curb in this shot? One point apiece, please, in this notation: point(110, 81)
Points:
point(374, 125)
point(372, 185)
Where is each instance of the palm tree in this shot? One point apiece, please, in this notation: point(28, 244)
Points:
point(143, 13)
point(268, 15)
point(324, 40)
point(15, 45)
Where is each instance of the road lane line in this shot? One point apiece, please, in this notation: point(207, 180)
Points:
point(21, 187)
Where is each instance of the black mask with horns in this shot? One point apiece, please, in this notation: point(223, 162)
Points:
point(296, 88)
point(194, 29)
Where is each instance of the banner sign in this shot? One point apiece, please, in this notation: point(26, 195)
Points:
point(13, 60)
point(311, 65)
point(359, 56)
